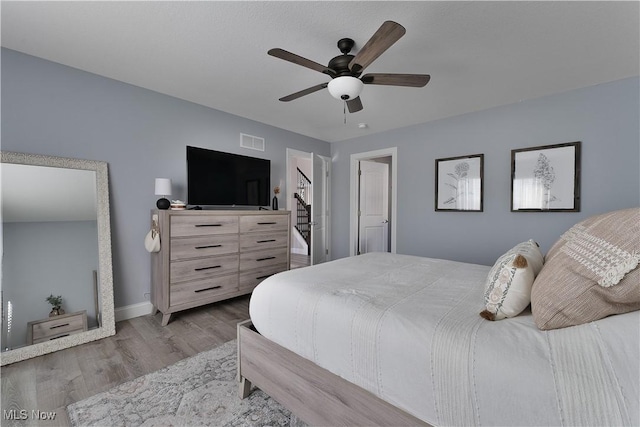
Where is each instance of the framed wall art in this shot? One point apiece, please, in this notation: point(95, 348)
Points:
point(459, 183)
point(546, 178)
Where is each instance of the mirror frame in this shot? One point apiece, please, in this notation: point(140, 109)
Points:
point(105, 269)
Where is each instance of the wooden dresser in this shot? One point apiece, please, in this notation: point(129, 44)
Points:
point(56, 327)
point(212, 255)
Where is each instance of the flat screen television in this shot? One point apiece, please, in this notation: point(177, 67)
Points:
point(222, 179)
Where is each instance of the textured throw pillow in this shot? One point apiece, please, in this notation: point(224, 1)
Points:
point(508, 286)
point(591, 272)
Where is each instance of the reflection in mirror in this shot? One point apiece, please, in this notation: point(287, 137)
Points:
point(56, 242)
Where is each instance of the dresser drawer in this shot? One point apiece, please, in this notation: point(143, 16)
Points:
point(265, 258)
point(203, 225)
point(257, 241)
point(250, 223)
point(58, 327)
point(202, 246)
point(201, 290)
point(250, 280)
point(201, 268)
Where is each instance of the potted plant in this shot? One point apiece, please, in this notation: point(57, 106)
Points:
point(56, 304)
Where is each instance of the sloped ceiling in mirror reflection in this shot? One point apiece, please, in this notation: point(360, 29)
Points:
point(42, 194)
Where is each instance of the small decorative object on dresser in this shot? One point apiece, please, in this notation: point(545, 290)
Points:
point(163, 189)
point(178, 205)
point(209, 256)
point(274, 201)
point(56, 327)
point(56, 305)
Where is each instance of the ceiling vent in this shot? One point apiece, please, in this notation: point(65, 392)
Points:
point(251, 142)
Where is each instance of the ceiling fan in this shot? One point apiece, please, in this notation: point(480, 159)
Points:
point(345, 70)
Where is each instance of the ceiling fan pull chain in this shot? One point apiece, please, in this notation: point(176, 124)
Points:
point(344, 111)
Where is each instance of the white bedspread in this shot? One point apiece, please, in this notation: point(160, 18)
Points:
point(407, 329)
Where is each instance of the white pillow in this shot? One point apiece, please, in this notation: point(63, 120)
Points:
point(508, 287)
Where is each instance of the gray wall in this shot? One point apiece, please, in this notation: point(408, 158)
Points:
point(52, 109)
point(44, 258)
point(604, 117)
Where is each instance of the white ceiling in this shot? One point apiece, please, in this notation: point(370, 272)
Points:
point(479, 54)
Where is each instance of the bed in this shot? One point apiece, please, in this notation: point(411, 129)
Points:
point(389, 339)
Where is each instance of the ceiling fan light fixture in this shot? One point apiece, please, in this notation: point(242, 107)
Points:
point(345, 87)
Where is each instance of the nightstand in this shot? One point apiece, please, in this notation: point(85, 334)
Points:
point(56, 327)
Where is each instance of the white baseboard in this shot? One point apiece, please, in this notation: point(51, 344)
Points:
point(299, 245)
point(300, 251)
point(133, 310)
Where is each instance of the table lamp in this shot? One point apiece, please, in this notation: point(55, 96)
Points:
point(163, 188)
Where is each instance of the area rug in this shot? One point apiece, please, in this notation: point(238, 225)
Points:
point(198, 391)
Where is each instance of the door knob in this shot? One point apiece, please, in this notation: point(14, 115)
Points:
point(386, 221)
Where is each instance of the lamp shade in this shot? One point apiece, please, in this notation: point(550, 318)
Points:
point(345, 87)
point(163, 187)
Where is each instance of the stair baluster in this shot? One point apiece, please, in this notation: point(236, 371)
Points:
point(303, 208)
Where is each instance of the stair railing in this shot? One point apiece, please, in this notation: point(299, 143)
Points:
point(303, 185)
point(303, 208)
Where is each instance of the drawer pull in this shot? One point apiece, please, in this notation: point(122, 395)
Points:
point(55, 338)
point(59, 326)
point(266, 258)
point(208, 246)
point(207, 289)
point(266, 241)
point(267, 223)
point(264, 277)
point(207, 268)
point(208, 225)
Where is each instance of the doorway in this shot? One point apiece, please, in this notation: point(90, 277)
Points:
point(373, 201)
point(308, 188)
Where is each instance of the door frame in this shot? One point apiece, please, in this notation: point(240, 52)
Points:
point(355, 195)
point(293, 153)
point(326, 205)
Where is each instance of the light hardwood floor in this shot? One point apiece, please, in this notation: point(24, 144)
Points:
point(140, 346)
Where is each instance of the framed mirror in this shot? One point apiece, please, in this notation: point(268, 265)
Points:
point(57, 277)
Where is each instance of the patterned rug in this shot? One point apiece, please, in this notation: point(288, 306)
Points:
point(198, 391)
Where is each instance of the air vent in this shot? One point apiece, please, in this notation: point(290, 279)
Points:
point(251, 142)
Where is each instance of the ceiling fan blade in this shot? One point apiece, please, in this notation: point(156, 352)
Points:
point(299, 60)
point(354, 105)
point(412, 80)
point(388, 33)
point(303, 92)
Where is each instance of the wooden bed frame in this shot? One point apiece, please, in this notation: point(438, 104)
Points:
point(315, 395)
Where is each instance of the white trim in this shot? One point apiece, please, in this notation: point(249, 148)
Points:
point(326, 204)
point(292, 153)
point(327, 187)
point(353, 194)
point(133, 310)
point(300, 245)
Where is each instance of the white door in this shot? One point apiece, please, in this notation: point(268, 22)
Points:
point(319, 209)
point(374, 207)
